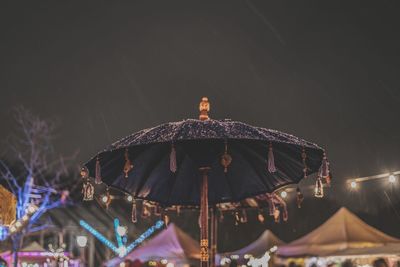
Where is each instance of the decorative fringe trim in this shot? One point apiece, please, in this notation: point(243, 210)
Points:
point(134, 212)
point(271, 160)
point(128, 164)
point(97, 177)
point(172, 159)
point(299, 197)
point(319, 188)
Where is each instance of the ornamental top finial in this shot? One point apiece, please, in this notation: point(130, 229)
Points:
point(204, 108)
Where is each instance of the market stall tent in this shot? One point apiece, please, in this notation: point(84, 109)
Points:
point(266, 241)
point(172, 244)
point(343, 233)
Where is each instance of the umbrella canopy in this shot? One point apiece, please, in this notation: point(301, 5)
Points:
point(195, 144)
point(202, 162)
point(171, 244)
point(341, 232)
point(266, 241)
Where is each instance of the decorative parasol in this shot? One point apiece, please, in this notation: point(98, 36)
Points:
point(204, 162)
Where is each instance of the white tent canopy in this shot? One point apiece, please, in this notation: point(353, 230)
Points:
point(171, 244)
point(342, 233)
point(256, 249)
point(33, 247)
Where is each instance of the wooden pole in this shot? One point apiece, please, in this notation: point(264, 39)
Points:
point(214, 236)
point(204, 255)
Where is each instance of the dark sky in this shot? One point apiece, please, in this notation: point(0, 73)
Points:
point(327, 71)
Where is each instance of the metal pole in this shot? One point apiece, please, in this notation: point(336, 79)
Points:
point(214, 236)
point(204, 255)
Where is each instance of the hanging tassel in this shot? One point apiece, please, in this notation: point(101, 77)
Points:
point(243, 219)
point(325, 166)
point(226, 159)
point(134, 212)
point(237, 218)
point(285, 215)
point(271, 160)
point(166, 219)
point(97, 177)
point(128, 164)
point(319, 189)
point(304, 157)
point(145, 211)
point(172, 159)
point(88, 191)
point(157, 210)
point(276, 215)
point(271, 205)
point(328, 180)
point(84, 172)
point(299, 197)
point(260, 217)
point(221, 216)
point(108, 199)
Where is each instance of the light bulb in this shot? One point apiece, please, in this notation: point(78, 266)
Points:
point(121, 230)
point(353, 184)
point(81, 240)
point(283, 194)
point(105, 199)
point(392, 178)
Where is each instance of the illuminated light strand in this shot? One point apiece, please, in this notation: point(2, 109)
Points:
point(121, 250)
point(99, 236)
point(374, 177)
point(145, 235)
point(117, 235)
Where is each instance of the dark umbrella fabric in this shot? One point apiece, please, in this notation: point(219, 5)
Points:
point(202, 143)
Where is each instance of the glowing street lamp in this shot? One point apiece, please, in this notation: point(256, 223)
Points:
point(353, 185)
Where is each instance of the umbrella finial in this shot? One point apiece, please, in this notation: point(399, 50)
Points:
point(204, 108)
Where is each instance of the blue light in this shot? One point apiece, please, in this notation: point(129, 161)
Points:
point(143, 236)
point(3, 233)
point(121, 251)
point(117, 235)
point(99, 236)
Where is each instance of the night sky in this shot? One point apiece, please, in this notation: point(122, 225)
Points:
point(324, 71)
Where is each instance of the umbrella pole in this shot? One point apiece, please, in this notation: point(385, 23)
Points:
point(214, 235)
point(204, 258)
